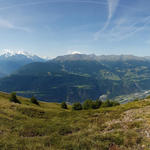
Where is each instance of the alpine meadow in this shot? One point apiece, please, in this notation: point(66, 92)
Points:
point(74, 75)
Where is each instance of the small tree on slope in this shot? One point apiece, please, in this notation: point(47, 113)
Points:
point(34, 100)
point(64, 105)
point(13, 98)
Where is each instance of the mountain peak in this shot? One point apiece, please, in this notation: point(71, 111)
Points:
point(14, 55)
point(11, 60)
point(9, 53)
point(75, 52)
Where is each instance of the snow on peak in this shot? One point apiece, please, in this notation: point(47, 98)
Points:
point(47, 57)
point(75, 52)
point(9, 53)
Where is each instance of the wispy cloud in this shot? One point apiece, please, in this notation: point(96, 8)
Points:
point(9, 25)
point(112, 6)
point(51, 1)
point(124, 28)
point(6, 24)
point(125, 25)
point(12, 5)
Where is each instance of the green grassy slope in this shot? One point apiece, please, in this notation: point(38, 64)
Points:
point(27, 126)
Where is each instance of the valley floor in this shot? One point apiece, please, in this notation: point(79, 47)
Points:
point(26, 126)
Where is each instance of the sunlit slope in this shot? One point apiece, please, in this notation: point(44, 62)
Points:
point(27, 126)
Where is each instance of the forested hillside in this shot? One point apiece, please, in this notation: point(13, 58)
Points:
point(79, 77)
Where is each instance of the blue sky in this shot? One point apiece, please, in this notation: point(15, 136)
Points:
point(59, 27)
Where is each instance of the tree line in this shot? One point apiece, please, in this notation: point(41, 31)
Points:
point(90, 104)
point(87, 104)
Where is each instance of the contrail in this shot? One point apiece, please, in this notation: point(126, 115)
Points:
point(52, 1)
point(112, 6)
point(58, 1)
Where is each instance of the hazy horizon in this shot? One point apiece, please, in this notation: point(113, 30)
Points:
point(13, 52)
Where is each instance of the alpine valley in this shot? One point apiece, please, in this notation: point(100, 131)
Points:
point(75, 77)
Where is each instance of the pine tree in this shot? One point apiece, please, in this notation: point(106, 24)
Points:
point(13, 98)
point(34, 100)
point(64, 105)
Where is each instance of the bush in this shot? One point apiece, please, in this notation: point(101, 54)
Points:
point(148, 97)
point(96, 104)
point(109, 103)
point(77, 106)
point(13, 98)
point(34, 100)
point(90, 104)
point(115, 103)
point(64, 105)
point(135, 100)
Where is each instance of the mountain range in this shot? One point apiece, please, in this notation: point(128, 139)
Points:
point(10, 61)
point(78, 77)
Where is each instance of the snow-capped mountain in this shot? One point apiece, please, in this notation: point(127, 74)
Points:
point(19, 55)
point(10, 61)
point(8, 53)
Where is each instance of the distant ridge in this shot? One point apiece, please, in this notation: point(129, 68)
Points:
point(74, 57)
point(77, 77)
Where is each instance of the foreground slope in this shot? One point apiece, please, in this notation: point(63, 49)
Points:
point(26, 126)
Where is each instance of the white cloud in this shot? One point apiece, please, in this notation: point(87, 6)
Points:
point(9, 25)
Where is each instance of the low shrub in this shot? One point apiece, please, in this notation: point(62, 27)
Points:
point(90, 104)
point(109, 103)
point(96, 104)
point(77, 106)
point(148, 97)
point(115, 103)
point(135, 100)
